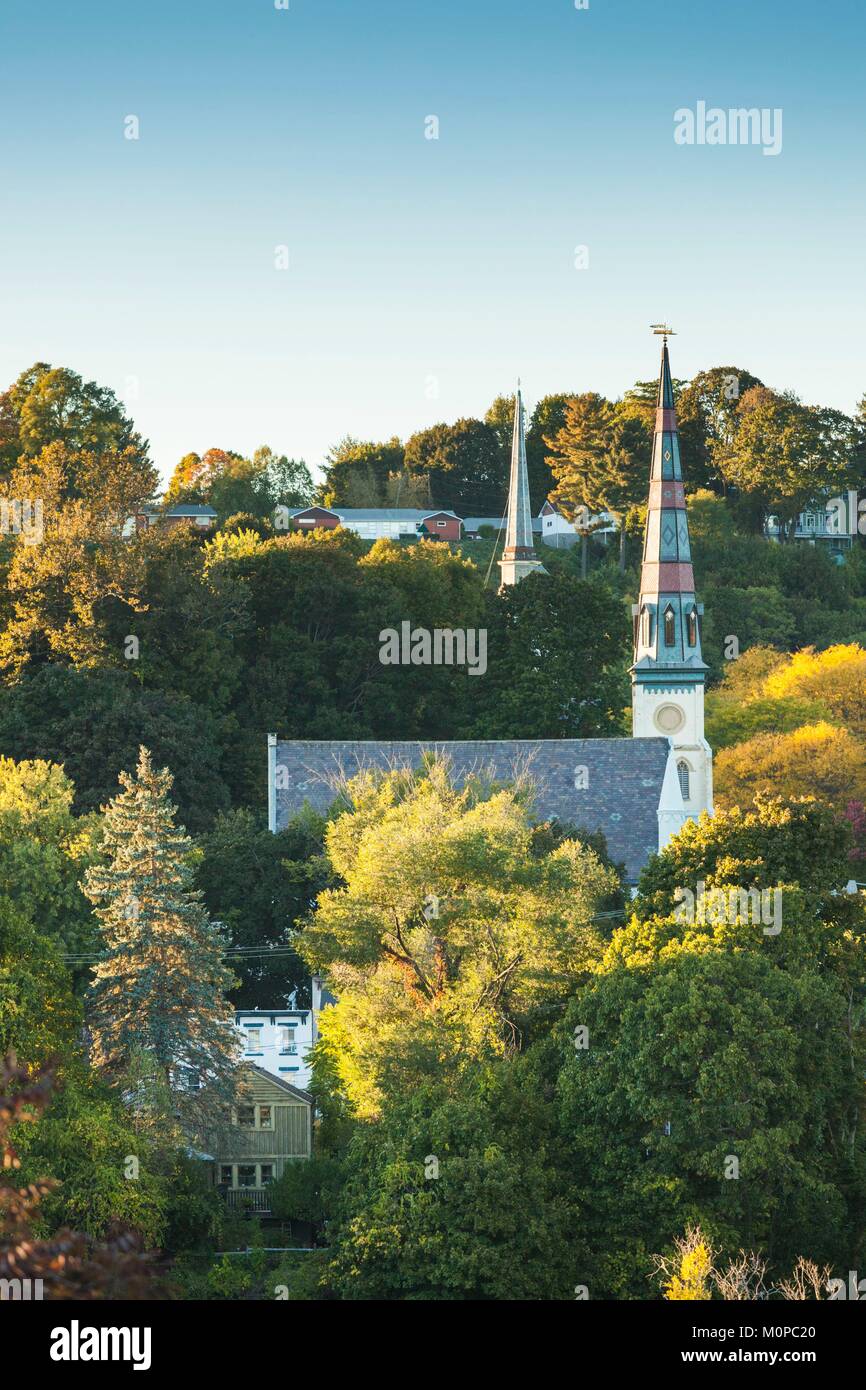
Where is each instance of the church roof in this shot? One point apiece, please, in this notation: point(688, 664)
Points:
point(613, 785)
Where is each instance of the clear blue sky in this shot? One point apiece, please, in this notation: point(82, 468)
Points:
point(410, 258)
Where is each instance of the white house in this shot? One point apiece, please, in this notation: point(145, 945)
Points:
point(279, 1041)
point(373, 523)
point(558, 531)
point(832, 525)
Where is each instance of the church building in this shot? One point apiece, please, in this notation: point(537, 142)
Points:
point(637, 791)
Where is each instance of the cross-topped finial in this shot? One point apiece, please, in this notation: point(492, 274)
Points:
point(662, 329)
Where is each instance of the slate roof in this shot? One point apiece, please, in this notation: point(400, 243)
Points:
point(624, 780)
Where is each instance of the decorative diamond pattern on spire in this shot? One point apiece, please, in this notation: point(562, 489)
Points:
point(666, 644)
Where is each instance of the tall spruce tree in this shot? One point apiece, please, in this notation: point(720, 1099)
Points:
point(158, 993)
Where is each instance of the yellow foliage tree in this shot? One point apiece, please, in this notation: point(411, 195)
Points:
point(690, 1283)
point(836, 677)
point(816, 760)
point(689, 1273)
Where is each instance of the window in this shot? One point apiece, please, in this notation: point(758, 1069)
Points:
point(287, 1040)
point(684, 774)
point(252, 1039)
point(255, 1116)
point(646, 627)
point(267, 1171)
point(441, 523)
point(670, 627)
point(226, 1174)
point(246, 1175)
point(693, 627)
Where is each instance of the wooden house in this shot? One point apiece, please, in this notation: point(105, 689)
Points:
point(271, 1125)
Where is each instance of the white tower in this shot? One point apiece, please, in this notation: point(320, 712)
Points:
point(518, 556)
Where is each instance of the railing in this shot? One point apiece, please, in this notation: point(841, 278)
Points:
point(250, 1199)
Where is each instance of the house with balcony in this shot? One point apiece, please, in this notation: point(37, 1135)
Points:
point(832, 525)
point(271, 1126)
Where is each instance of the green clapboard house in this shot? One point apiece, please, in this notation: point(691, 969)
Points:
point(271, 1125)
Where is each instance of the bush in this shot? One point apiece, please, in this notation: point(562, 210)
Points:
point(229, 1278)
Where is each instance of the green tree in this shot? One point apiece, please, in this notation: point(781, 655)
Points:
point(450, 940)
point(548, 418)
point(159, 989)
point(786, 456)
point(557, 651)
point(49, 405)
point(231, 484)
point(707, 414)
point(449, 1200)
point(93, 721)
point(465, 464)
point(600, 460)
point(84, 1143)
point(308, 1191)
point(40, 1018)
point(775, 841)
point(259, 886)
point(721, 1078)
point(44, 849)
point(357, 472)
point(69, 1264)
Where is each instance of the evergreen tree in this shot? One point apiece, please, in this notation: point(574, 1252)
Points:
point(158, 991)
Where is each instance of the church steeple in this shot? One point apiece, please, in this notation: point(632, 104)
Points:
point(518, 557)
point(669, 671)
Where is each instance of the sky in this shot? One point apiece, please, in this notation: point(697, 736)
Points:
point(424, 275)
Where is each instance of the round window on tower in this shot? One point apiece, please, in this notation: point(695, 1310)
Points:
point(669, 718)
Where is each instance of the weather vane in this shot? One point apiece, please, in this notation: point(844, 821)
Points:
point(663, 330)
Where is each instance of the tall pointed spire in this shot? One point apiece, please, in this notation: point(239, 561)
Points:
point(518, 557)
point(668, 673)
point(667, 633)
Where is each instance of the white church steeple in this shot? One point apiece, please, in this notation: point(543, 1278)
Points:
point(518, 557)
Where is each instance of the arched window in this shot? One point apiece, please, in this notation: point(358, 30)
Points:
point(684, 774)
point(647, 627)
point(693, 627)
point(670, 627)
